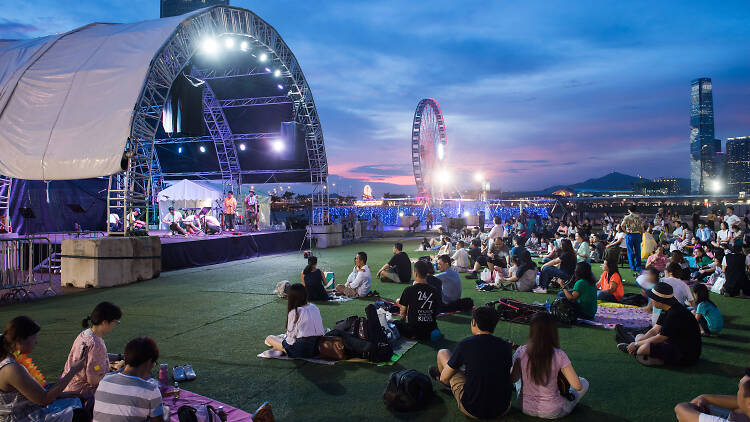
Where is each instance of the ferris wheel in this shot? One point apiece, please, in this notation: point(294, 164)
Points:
point(428, 142)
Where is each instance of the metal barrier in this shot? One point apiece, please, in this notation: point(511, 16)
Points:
point(25, 263)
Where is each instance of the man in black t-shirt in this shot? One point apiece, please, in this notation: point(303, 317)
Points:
point(398, 269)
point(676, 337)
point(483, 389)
point(419, 304)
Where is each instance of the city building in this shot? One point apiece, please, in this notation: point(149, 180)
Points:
point(738, 164)
point(180, 7)
point(702, 142)
point(669, 184)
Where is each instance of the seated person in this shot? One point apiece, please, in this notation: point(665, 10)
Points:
point(312, 279)
point(425, 245)
point(419, 304)
point(450, 283)
point(461, 257)
point(610, 284)
point(191, 224)
point(494, 251)
point(701, 260)
point(658, 260)
point(398, 268)
point(128, 395)
point(560, 267)
point(446, 248)
point(415, 225)
point(522, 274)
point(210, 224)
point(133, 220)
point(698, 409)
point(680, 290)
point(115, 224)
point(533, 242)
point(22, 396)
point(304, 326)
point(734, 265)
point(518, 248)
point(678, 258)
point(173, 219)
point(707, 313)
point(103, 319)
point(597, 248)
point(358, 283)
point(483, 388)
point(540, 395)
point(583, 294)
point(675, 339)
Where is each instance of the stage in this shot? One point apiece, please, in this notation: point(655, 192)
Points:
point(186, 251)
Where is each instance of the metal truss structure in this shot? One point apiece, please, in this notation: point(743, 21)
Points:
point(142, 177)
point(221, 133)
point(5, 184)
point(428, 145)
point(236, 137)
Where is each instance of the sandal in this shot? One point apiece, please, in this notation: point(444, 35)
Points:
point(178, 373)
point(189, 372)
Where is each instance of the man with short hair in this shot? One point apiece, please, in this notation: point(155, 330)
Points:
point(703, 233)
point(210, 224)
point(632, 225)
point(251, 211)
point(483, 389)
point(358, 283)
point(398, 268)
point(698, 409)
point(419, 304)
point(676, 337)
point(127, 395)
point(173, 219)
point(730, 218)
point(450, 282)
point(497, 229)
point(133, 220)
point(461, 257)
point(230, 210)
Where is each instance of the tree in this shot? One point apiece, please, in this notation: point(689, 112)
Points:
point(288, 195)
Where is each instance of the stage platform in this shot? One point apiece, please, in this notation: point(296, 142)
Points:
point(186, 251)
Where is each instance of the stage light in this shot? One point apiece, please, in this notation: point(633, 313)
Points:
point(209, 46)
point(179, 150)
point(478, 177)
point(229, 43)
point(263, 57)
point(440, 151)
point(716, 185)
point(268, 70)
point(242, 147)
point(277, 145)
point(244, 46)
point(443, 177)
point(202, 148)
point(277, 73)
point(466, 213)
point(280, 86)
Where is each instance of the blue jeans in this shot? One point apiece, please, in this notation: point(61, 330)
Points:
point(633, 242)
point(548, 273)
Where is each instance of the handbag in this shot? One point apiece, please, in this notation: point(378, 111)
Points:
point(331, 348)
point(564, 386)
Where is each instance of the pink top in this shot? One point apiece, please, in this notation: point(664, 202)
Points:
point(658, 262)
point(97, 363)
point(541, 399)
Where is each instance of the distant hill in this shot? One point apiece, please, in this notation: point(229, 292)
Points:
point(612, 181)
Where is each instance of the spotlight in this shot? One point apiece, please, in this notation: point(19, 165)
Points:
point(209, 46)
point(244, 46)
point(242, 147)
point(466, 213)
point(443, 177)
point(280, 86)
point(268, 70)
point(179, 150)
point(440, 151)
point(202, 148)
point(263, 57)
point(277, 145)
point(277, 73)
point(478, 177)
point(716, 185)
point(229, 43)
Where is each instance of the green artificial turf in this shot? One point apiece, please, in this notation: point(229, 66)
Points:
point(217, 317)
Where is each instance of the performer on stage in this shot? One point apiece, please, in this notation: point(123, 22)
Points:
point(4, 224)
point(210, 224)
point(173, 220)
point(191, 224)
point(251, 211)
point(230, 209)
point(115, 224)
point(133, 220)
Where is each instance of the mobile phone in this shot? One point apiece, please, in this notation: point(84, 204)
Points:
point(84, 351)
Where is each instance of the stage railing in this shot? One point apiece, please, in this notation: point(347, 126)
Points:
point(24, 263)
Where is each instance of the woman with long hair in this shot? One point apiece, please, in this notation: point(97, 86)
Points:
point(538, 364)
point(583, 254)
point(102, 320)
point(610, 283)
point(706, 312)
point(583, 294)
point(304, 326)
point(560, 267)
point(23, 398)
point(312, 279)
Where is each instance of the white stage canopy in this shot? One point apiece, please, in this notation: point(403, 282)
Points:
point(67, 101)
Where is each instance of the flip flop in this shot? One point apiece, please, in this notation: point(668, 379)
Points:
point(189, 372)
point(178, 373)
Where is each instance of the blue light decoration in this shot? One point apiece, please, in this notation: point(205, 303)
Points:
point(389, 215)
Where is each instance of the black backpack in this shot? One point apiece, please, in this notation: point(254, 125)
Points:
point(407, 390)
point(563, 311)
point(382, 350)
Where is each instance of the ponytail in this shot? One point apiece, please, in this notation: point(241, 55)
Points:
point(311, 261)
point(86, 321)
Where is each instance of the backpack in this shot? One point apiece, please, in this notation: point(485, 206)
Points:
point(382, 351)
point(407, 390)
point(563, 311)
point(204, 413)
point(281, 289)
point(634, 299)
point(512, 310)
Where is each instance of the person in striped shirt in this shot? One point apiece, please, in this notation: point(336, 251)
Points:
point(128, 396)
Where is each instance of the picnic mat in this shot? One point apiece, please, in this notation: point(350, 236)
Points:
point(440, 315)
point(340, 298)
point(191, 399)
point(399, 349)
point(610, 314)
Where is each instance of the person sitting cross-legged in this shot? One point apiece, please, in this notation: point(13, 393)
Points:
point(610, 283)
point(398, 268)
point(483, 388)
point(419, 304)
point(461, 257)
point(450, 284)
point(697, 410)
point(675, 339)
point(583, 295)
point(358, 283)
point(537, 364)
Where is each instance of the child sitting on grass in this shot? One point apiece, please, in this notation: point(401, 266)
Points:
point(706, 312)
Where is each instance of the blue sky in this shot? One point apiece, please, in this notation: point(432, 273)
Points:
point(534, 93)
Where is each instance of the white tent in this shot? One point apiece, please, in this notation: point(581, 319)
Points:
point(189, 194)
point(66, 100)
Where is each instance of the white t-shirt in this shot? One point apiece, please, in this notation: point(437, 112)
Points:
point(722, 235)
point(731, 220)
point(304, 321)
point(190, 219)
point(497, 231)
point(621, 236)
point(461, 258)
point(170, 218)
point(114, 219)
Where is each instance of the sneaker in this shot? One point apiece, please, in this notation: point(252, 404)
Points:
point(623, 347)
point(435, 376)
point(541, 290)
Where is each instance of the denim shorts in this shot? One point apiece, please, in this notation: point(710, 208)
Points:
point(303, 347)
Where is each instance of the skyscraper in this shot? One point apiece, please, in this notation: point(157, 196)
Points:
point(702, 143)
point(738, 164)
point(180, 7)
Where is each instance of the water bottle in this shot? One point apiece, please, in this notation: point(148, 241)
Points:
point(176, 391)
point(547, 304)
point(222, 414)
point(163, 374)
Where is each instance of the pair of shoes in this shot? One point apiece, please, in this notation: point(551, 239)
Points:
point(183, 373)
point(472, 276)
point(435, 376)
point(540, 289)
point(623, 347)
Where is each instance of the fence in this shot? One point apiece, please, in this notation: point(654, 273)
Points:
point(26, 262)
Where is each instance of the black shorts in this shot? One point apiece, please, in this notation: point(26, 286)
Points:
point(668, 352)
